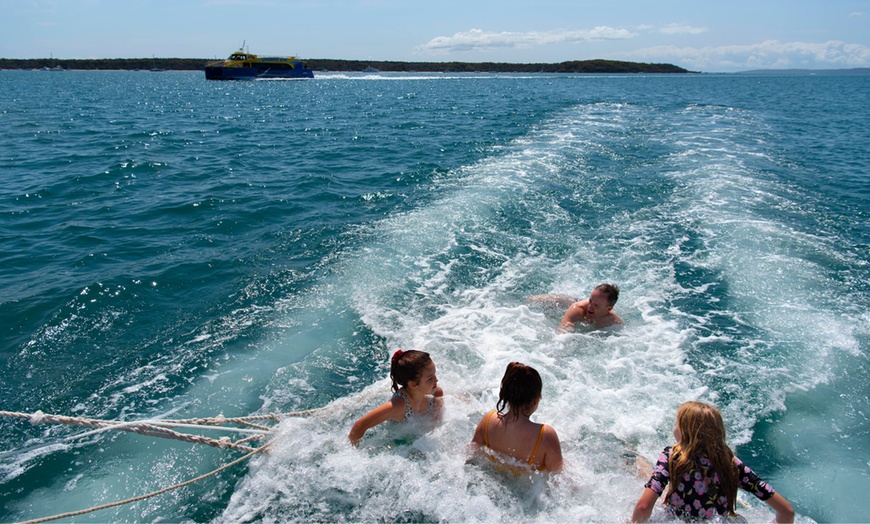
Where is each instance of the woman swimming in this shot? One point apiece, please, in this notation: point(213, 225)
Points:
point(416, 392)
point(513, 434)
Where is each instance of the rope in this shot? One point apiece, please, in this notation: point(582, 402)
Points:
point(259, 430)
point(38, 417)
point(157, 428)
point(152, 494)
point(160, 427)
point(144, 428)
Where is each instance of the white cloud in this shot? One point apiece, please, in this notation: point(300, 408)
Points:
point(857, 14)
point(478, 39)
point(767, 54)
point(680, 29)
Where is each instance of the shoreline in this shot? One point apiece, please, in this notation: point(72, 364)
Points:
point(349, 66)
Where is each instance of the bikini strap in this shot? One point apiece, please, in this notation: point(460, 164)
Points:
point(409, 411)
point(486, 429)
point(537, 444)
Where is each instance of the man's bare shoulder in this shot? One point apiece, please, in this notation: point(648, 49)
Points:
point(580, 304)
point(610, 320)
point(577, 310)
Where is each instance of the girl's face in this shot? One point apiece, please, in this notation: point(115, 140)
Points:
point(427, 382)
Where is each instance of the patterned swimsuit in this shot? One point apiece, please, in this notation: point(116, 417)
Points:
point(698, 492)
point(409, 411)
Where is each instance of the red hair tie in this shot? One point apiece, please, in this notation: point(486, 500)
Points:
point(397, 355)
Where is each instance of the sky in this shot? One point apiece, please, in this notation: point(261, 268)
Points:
point(698, 35)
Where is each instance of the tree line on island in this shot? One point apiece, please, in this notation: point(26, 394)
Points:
point(326, 64)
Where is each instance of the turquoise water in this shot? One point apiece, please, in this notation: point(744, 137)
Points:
point(176, 247)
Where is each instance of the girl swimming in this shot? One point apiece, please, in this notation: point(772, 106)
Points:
point(705, 471)
point(513, 434)
point(416, 392)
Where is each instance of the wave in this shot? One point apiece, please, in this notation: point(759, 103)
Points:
point(730, 293)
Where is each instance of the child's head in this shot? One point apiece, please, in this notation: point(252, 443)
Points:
point(699, 426)
point(407, 366)
point(520, 388)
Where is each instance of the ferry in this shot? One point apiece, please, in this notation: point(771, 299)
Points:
point(246, 66)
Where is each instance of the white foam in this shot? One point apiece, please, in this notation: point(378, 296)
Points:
point(443, 279)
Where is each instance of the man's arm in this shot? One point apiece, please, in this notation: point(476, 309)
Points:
point(576, 312)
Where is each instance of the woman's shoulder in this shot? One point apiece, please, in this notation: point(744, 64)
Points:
point(398, 404)
point(550, 439)
point(549, 433)
point(486, 416)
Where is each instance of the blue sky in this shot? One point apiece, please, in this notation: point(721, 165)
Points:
point(699, 35)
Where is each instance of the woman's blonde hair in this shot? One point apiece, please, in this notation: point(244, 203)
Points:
point(702, 435)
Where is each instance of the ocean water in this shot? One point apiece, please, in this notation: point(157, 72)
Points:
point(173, 247)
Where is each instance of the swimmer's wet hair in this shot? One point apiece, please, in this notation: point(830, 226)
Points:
point(612, 291)
point(406, 366)
point(520, 387)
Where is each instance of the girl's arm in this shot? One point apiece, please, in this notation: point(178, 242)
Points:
point(784, 511)
point(394, 409)
point(553, 454)
point(643, 508)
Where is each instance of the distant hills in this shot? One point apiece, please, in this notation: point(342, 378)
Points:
point(854, 71)
point(321, 64)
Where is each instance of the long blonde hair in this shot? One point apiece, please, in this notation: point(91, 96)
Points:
point(702, 435)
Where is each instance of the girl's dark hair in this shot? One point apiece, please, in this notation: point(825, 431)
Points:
point(520, 386)
point(407, 365)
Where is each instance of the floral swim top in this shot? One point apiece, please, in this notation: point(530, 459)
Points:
point(697, 494)
point(409, 411)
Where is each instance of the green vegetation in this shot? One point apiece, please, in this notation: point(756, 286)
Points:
point(321, 64)
point(175, 64)
point(577, 66)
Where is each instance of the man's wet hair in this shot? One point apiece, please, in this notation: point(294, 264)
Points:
point(612, 291)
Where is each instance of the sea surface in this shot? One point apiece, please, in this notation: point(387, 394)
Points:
point(174, 247)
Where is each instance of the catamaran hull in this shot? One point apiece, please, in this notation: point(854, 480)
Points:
point(252, 73)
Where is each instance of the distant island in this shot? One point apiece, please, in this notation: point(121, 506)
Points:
point(853, 71)
point(327, 64)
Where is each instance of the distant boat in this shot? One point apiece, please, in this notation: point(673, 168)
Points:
point(56, 67)
point(370, 69)
point(246, 66)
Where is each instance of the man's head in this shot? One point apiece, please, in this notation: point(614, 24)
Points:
point(602, 299)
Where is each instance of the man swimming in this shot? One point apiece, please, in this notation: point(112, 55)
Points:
point(596, 311)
